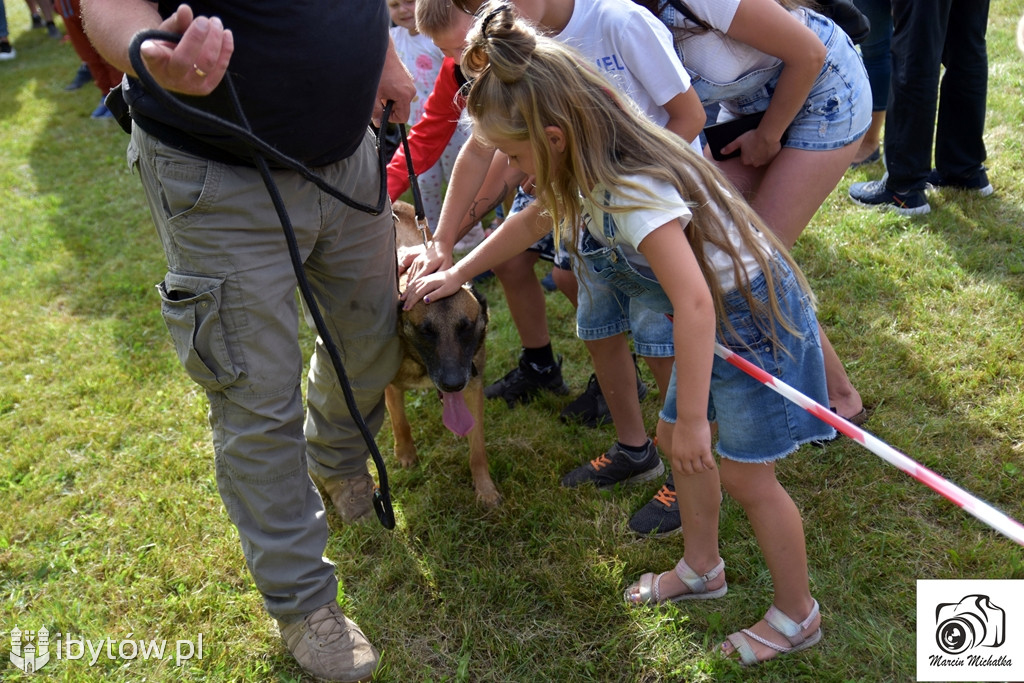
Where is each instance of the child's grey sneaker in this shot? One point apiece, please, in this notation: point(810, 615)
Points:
point(615, 467)
point(875, 193)
point(660, 516)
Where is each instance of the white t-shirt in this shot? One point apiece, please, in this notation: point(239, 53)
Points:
point(713, 55)
point(632, 227)
point(423, 60)
point(632, 48)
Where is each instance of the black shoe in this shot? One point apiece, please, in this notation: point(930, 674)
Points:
point(875, 193)
point(53, 31)
point(82, 76)
point(978, 183)
point(548, 283)
point(614, 467)
point(37, 21)
point(526, 380)
point(660, 516)
point(590, 409)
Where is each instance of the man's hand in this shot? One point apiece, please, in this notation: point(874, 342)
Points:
point(197, 63)
point(395, 84)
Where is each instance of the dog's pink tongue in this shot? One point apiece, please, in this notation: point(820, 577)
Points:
point(456, 415)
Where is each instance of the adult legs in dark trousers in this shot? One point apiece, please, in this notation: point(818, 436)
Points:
point(927, 36)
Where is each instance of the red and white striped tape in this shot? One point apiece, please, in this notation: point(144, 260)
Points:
point(986, 513)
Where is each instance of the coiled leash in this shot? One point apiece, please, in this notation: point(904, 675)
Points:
point(260, 152)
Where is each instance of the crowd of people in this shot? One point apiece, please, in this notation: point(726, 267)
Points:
point(92, 67)
point(584, 118)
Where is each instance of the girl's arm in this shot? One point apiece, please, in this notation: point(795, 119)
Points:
point(686, 115)
point(468, 173)
point(512, 237)
point(770, 28)
point(676, 268)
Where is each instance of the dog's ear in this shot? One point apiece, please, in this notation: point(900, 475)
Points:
point(481, 299)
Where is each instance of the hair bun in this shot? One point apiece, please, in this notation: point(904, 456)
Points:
point(501, 41)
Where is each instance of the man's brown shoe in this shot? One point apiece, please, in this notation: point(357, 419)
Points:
point(330, 646)
point(352, 497)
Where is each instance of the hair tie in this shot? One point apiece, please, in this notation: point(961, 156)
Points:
point(490, 17)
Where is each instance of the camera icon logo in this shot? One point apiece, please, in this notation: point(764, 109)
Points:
point(973, 622)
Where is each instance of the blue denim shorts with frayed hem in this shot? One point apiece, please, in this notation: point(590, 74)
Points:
point(756, 424)
point(837, 110)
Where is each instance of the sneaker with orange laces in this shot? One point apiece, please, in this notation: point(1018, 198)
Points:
point(618, 466)
point(660, 516)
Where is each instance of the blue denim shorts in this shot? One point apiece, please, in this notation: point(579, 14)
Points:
point(756, 424)
point(837, 110)
point(545, 246)
point(604, 311)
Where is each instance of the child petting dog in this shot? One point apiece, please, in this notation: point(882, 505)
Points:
point(658, 223)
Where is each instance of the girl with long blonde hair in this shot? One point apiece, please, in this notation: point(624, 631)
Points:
point(640, 208)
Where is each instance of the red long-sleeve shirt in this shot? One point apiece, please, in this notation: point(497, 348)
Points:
point(432, 133)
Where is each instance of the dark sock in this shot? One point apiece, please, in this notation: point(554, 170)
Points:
point(635, 453)
point(540, 357)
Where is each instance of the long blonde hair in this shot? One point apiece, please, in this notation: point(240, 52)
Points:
point(524, 81)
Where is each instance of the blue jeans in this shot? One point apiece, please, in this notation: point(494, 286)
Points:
point(3, 20)
point(875, 49)
point(929, 34)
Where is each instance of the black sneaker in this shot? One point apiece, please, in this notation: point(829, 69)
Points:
point(53, 31)
point(526, 380)
point(37, 21)
point(660, 516)
point(874, 193)
point(614, 467)
point(82, 76)
point(978, 183)
point(590, 408)
point(7, 51)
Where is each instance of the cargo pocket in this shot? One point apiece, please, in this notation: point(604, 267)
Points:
point(191, 308)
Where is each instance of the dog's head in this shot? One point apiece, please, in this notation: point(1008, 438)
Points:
point(446, 337)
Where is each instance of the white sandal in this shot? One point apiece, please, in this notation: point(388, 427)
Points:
point(648, 588)
point(784, 626)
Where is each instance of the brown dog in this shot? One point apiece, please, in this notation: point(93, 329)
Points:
point(444, 349)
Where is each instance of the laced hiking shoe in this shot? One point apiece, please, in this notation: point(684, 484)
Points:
point(590, 408)
point(978, 183)
point(352, 498)
point(526, 380)
point(875, 194)
point(329, 646)
point(615, 467)
point(660, 516)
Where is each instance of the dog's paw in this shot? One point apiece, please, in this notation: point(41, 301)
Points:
point(406, 455)
point(487, 494)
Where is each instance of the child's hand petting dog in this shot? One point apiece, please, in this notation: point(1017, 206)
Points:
point(432, 287)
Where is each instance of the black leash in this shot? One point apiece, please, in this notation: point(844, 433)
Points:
point(417, 198)
point(260, 151)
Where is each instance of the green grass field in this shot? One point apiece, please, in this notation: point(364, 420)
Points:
point(112, 527)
